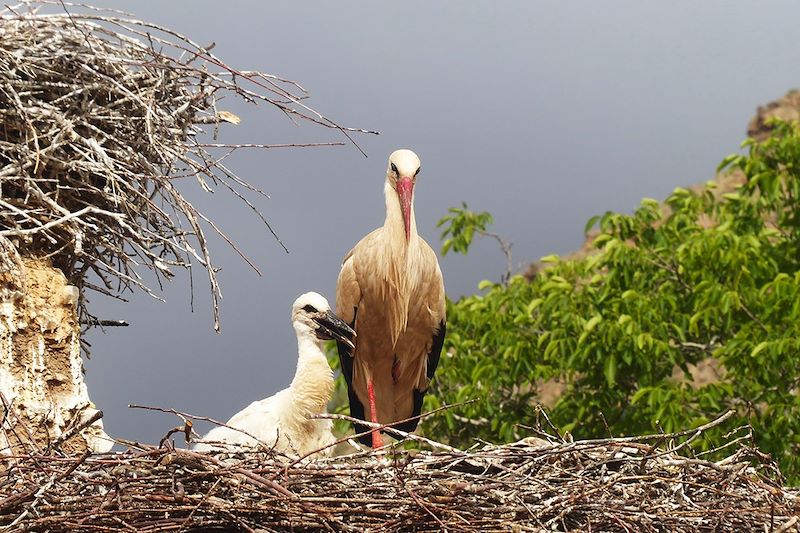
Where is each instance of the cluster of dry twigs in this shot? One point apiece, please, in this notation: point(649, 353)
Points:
point(101, 116)
point(640, 484)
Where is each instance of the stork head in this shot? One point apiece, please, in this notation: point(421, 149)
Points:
point(312, 314)
point(402, 175)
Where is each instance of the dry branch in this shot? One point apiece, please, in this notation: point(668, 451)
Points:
point(101, 116)
point(612, 485)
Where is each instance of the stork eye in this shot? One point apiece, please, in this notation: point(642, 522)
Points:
point(309, 309)
point(394, 168)
point(417, 172)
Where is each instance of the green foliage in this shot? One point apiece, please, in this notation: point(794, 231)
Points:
point(461, 225)
point(705, 276)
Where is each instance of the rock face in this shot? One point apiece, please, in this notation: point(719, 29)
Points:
point(786, 108)
point(44, 396)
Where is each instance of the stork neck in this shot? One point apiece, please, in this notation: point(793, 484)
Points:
point(394, 217)
point(313, 380)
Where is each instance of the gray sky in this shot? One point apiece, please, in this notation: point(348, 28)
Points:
point(543, 113)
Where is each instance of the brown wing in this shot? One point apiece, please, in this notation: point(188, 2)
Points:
point(348, 298)
point(348, 293)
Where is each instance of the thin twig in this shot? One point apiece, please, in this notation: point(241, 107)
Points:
point(101, 119)
point(187, 420)
point(97, 415)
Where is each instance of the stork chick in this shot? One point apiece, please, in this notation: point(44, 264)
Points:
point(391, 291)
point(282, 420)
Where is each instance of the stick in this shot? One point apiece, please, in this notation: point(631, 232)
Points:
point(75, 430)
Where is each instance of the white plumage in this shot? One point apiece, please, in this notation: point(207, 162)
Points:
point(283, 420)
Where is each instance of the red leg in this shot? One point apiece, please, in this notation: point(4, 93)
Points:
point(377, 441)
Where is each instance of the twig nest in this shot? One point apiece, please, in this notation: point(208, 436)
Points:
point(102, 117)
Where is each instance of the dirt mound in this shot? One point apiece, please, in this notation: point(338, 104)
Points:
point(786, 108)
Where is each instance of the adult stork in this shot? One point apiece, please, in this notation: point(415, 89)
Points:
point(390, 290)
point(283, 421)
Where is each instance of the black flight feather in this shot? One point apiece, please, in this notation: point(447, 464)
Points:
point(356, 407)
point(433, 362)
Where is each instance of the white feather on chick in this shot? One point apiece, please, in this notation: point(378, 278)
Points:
point(283, 421)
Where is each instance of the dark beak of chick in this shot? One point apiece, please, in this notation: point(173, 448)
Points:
point(331, 326)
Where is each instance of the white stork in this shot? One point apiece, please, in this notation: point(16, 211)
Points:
point(282, 420)
point(390, 290)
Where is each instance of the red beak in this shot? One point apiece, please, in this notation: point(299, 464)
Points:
point(405, 190)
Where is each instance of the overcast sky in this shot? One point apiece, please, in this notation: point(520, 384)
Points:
point(543, 113)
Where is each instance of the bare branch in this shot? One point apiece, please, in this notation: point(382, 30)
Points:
point(532, 485)
point(102, 120)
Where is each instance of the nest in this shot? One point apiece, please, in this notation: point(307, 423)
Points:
point(641, 484)
point(102, 115)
